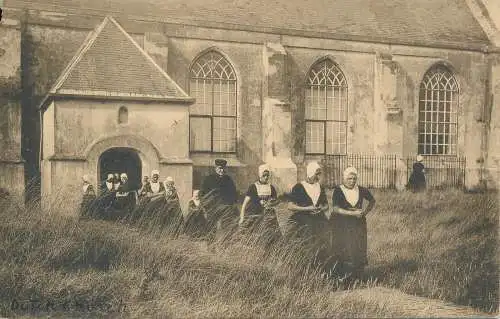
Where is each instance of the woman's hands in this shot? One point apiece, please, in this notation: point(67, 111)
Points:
point(356, 212)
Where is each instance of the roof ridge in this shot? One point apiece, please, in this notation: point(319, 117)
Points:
point(147, 56)
point(84, 47)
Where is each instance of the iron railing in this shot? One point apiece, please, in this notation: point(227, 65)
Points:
point(383, 171)
point(373, 171)
point(441, 171)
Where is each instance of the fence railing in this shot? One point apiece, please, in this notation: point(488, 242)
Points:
point(373, 171)
point(383, 171)
point(441, 171)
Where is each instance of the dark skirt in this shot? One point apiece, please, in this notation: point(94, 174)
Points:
point(262, 228)
point(349, 240)
point(159, 214)
point(195, 225)
point(309, 237)
point(88, 206)
point(122, 207)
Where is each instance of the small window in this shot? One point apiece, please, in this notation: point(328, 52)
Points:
point(123, 115)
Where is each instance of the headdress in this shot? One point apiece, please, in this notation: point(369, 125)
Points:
point(312, 168)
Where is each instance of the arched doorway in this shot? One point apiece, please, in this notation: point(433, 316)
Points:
point(121, 160)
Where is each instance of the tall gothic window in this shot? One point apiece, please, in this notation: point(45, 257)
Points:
point(326, 109)
point(437, 118)
point(213, 116)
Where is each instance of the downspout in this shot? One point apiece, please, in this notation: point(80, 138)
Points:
point(487, 110)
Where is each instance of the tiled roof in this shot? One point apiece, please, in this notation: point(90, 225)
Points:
point(424, 22)
point(111, 63)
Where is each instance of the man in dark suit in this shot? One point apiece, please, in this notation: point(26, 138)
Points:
point(219, 196)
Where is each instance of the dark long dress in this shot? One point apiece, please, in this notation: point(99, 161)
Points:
point(258, 220)
point(149, 207)
point(124, 203)
point(88, 204)
point(417, 182)
point(196, 223)
point(170, 218)
point(350, 232)
point(308, 232)
point(105, 200)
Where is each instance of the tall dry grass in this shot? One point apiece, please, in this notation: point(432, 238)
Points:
point(440, 245)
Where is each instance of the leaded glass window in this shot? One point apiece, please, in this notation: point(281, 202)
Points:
point(213, 117)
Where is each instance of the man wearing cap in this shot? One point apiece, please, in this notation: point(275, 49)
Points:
point(219, 192)
point(220, 184)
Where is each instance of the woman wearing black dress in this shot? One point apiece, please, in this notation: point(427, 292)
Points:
point(309, 204)
point(196, 219)
point(349, 222)
point(257, 214)
point(87, 206)
point(417, 182)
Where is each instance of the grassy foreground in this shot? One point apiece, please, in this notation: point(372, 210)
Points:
point(440, 245)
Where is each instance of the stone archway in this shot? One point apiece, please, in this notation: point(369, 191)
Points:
point(136, 149)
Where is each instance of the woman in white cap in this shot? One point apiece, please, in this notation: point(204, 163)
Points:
point(196, 218)
point(153, 199)
point(349, 222)
point(417, 182)
point(126, 198)
point(257, 211)
point(106, 195)
point(88, 199)
point(172, 214)
point(309, 204)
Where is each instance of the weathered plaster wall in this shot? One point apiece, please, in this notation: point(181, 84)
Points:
point(49, 132)
point(81, 123)
point(11, 162)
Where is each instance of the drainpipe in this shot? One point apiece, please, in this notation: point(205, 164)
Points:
point(487, 109)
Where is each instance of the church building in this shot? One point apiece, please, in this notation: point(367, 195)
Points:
point(92, 87)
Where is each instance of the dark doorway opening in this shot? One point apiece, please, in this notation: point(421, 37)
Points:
point(121, 160)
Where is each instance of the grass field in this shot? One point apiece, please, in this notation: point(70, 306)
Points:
point(440, 245)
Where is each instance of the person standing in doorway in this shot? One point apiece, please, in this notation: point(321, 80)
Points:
point(117, 181)
point(106, 196)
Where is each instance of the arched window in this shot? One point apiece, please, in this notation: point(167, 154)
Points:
point(326, 109)
point(437, 118)
point(122, 115)
point(213, 116)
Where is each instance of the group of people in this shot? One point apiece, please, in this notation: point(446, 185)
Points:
point(338, 234)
